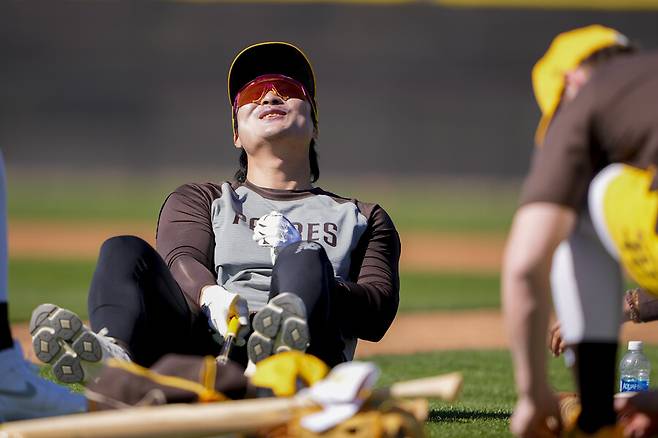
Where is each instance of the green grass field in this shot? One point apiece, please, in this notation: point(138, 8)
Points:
point(66, 283)
point(488, 395)
point(452, 205)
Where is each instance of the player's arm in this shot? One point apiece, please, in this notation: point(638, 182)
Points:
point(640, 305)
point(369, 304)
point(536, 231)
point(185, 238)
point(186, 242)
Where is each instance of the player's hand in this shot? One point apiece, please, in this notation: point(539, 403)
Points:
point(638, 414)
point(274, 230)
point(220, 305)
point(538, 418)
point(556, 344)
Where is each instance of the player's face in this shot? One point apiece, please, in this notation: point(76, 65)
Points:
point(272, 118)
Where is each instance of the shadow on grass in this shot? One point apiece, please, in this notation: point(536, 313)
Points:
point(463, 415)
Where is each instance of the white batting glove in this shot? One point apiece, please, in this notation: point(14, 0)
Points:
point(220, 305)
point(274, 230)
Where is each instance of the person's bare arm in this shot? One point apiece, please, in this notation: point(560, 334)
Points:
point(638, 414)
point(536, 231)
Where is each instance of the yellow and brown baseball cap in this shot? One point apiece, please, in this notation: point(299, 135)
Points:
point(270, 57)
point(565, 53)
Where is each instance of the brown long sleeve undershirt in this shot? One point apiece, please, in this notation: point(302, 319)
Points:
point(377, 286)
point(185, 237)
point(368, 299)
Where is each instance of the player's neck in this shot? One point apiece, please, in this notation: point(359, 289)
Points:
point(275, 173)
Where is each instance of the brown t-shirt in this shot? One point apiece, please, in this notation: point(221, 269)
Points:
point(205, 237)
point(614, 119)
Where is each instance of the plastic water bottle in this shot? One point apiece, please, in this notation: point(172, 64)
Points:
point(634, 369)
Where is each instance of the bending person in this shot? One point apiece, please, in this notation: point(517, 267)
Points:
point(588, 206)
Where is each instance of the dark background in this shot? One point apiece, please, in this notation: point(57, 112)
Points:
point(140, 85)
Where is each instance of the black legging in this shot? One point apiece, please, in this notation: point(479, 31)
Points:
point(135, 297)
point(304, 269)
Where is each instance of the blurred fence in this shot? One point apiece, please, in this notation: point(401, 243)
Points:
point(413, 88)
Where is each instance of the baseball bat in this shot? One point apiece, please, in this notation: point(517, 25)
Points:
point(201, 420)
point(229, 339)
point(445, 387)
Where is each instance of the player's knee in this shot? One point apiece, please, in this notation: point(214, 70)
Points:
point(125, 247)
point(306, 253)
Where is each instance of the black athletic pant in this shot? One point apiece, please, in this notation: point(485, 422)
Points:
point(135, 297)
point(304, 269)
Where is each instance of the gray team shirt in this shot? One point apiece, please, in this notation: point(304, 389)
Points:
point(244, 267)
point(205, 237)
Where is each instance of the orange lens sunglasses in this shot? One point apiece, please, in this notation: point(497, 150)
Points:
point(283, 86)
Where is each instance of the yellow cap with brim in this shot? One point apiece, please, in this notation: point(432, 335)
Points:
point(565, 53)
point(271, 57)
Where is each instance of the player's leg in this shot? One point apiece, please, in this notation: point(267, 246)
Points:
point(5, 332)
point(587, 284)
point(23, 394)
point(623, 202)
point(137, 312)
point(304, 271)
point(134, 296)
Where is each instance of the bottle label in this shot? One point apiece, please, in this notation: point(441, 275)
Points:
point(633, 385)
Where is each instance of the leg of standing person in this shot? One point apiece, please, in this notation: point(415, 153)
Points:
point(23, 394)
point(618, 229)
point(587, 286)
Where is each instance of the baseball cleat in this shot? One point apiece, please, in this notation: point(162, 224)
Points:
point(279, 326)
point(569, 404)
point(76, 353)
point(24, 395)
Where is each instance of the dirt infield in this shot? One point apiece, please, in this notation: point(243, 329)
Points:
point(441, 251)
point(434, 331)
point(410, 333)
point(463, 252)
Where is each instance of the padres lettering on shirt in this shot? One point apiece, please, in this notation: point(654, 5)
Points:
point(205, 237)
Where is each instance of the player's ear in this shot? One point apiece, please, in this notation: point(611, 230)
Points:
point(236, 141)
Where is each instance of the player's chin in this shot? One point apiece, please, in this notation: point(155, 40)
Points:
point(288, 131)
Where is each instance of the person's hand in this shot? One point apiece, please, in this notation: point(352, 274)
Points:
point(274, 230)
point(556, 344)
point(638, 414)
point(538, 418)
point(220, 305)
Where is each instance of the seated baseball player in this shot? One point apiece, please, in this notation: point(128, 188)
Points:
point(588, 207)
point(300, 268)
